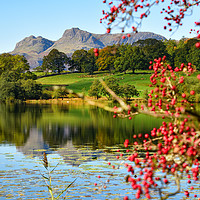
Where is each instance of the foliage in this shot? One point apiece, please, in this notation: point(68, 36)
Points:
point(60, 92)
point(180, 56)
point(190, 84)
point(54, 61)
point(31, 90)
point(11, 89)
point(193, 57)
point(91, 67)
point(28, 75)
point(152, 48)
point(107, 58)
point(131, 58)
point(127, 91)
point(113, 84)
point(16, 82)
point(46, 94)
point(171, 46)
point(83, 61)
point(95, 89)
point(15, 63)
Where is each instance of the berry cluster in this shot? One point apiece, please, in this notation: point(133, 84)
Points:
point(174, 148)
point(129, 12)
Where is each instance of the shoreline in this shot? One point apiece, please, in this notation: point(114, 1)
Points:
point(79, 101)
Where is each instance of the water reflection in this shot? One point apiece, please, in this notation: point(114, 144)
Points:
point(31, 127)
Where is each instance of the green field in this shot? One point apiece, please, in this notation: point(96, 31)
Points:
point(81, 82)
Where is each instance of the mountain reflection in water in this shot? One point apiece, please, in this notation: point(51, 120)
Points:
point(32, 127)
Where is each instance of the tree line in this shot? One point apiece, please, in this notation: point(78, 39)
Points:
point(16, 81)
point(124, 57)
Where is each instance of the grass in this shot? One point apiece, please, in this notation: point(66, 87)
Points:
point(81, 82)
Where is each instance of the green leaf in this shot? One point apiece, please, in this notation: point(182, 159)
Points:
point(66, 188)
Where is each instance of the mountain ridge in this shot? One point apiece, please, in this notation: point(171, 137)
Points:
point(35, 48)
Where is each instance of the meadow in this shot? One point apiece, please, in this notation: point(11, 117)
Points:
point(81, 82)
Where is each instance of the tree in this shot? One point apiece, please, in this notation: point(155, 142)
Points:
point(107, 58)
point(9, 90)
point(83, 61)
point(16, 81)
point(113, 84)
point(55, 61)
point(120, 60)
point(152, 48)
point(91, 67)
point(18, 89)
point(95, 89)
point(16, 63)
point(132, 58)
point(30, 89)
point(180, 56)
point(193, 57)
point(79, 59)
point(127, 91)
point(171, 46)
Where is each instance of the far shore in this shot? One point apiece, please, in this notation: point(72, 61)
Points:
point(102, 100)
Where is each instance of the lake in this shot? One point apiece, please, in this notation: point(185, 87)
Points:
point(79, 141)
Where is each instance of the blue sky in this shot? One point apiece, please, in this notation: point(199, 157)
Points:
point(50, 18)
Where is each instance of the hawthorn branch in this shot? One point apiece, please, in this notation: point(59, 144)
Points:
point(121, 102)
point(177, 181)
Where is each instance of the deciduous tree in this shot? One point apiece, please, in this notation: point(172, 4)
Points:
point(55, 61)
point(15, 63)
point(107, 58)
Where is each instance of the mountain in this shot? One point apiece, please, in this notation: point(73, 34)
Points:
point(35, 48)
point(33, 44)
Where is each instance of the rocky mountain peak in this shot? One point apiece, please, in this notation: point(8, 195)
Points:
point(34, 48)
point(32, 43)
point(71, 32)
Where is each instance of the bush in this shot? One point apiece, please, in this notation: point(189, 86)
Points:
point(127, 91)
point(46, 94)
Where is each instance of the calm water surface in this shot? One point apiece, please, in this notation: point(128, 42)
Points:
point(79, 138)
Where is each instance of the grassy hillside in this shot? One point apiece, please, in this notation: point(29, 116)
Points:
point(81, 82)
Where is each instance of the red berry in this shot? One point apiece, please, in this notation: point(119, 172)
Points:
point(192, 92)
point(197, 45)
point(183, 95)
point(123, 37)
point(165, 181)
point(108, 30)
point(95, 50)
